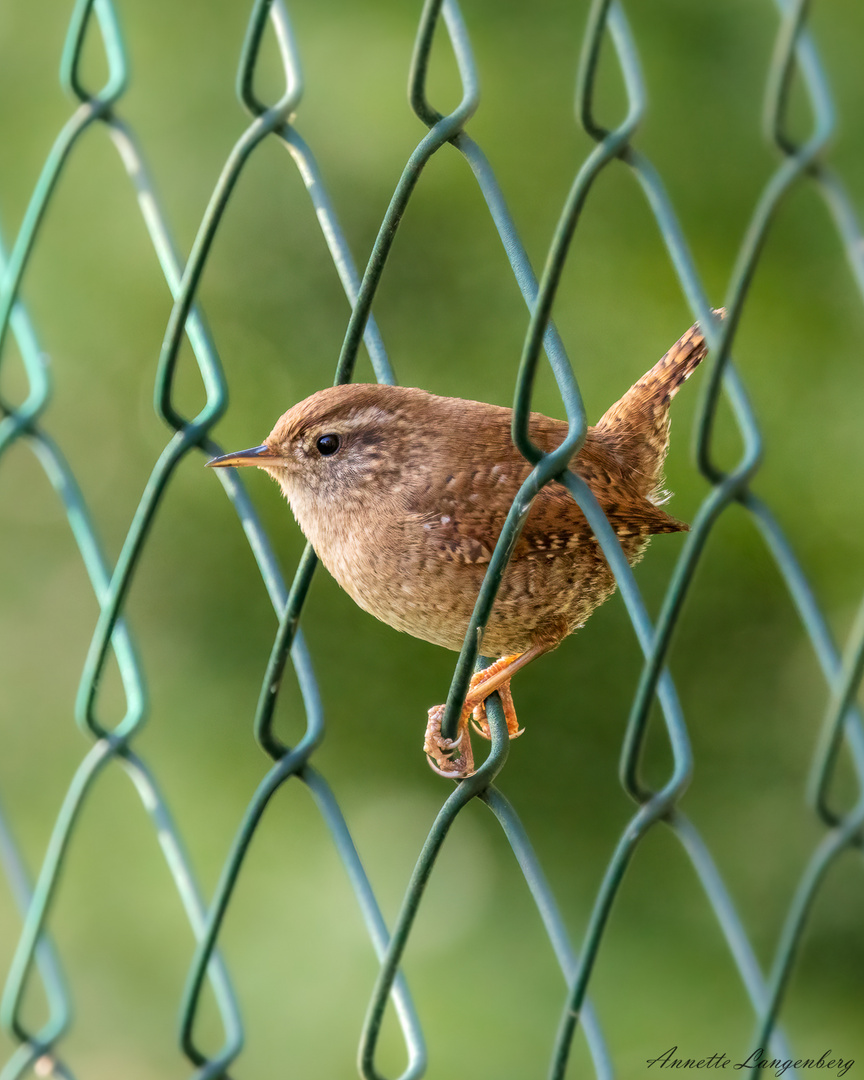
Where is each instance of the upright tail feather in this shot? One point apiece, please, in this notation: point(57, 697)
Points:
point(640, 419)
point(677, 365)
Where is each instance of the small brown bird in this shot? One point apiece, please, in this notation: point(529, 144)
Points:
point(403, 495)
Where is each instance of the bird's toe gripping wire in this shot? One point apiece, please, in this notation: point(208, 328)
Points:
point(454, 758)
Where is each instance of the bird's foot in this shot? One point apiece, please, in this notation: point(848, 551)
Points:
point(450, 758)
point(479, 690)
point(480, 721)
point(454, 758)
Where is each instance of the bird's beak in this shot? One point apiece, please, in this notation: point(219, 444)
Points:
point(257, 455)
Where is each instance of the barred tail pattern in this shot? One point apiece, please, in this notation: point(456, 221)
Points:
point(640, 419)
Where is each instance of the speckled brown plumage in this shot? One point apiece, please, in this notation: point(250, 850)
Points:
point(406, 509)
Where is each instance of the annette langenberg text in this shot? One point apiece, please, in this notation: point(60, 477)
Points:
point(757, 1060)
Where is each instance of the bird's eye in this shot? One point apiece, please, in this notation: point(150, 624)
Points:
point(328, 444)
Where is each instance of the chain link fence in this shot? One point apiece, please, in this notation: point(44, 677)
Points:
point(836, 791)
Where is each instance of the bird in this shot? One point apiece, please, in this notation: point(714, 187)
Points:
point(403, 494)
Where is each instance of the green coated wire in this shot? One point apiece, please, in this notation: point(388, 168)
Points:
point(288, 762)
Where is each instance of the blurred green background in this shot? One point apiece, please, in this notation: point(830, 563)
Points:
point(479, 965)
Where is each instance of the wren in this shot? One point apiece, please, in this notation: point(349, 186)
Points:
point(403, 494)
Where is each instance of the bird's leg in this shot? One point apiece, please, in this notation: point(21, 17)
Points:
point(480, 722)
point(497, 677)
point(454, 757)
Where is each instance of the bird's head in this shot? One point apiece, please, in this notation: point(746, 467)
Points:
point(342, 445)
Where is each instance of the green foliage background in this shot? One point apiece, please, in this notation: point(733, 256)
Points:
point(479, 965)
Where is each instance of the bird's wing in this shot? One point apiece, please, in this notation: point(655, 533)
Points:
point(474, 502)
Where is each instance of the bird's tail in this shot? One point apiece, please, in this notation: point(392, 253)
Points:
point(640, 419)
point(676, 366)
